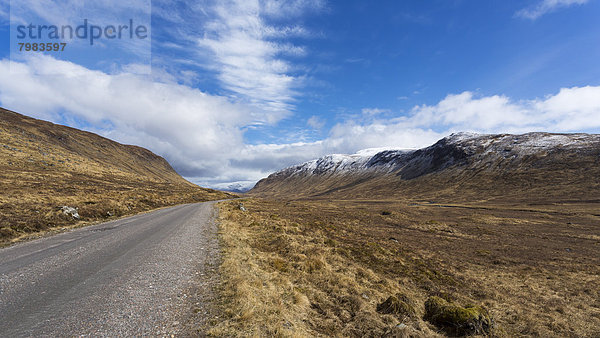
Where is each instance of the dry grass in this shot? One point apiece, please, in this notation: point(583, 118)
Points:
point(322, 267)
point(284, 279)
point(256, 299)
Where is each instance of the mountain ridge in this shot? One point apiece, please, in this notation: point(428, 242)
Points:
point(464, 158)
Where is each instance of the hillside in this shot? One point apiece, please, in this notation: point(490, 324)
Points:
point(44, 166)
point(462, 166)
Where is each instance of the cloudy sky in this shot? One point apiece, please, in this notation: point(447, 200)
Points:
point(230, 91)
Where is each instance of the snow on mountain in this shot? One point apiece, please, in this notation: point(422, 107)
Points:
point(565, 166)
point(237, 187)
point(340, 163)
point(448, 151)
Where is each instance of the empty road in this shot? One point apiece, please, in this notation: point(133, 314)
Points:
point(142, 275)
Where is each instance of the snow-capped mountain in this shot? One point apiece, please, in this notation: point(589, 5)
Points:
point(451, 149)
point(236, 187)
point(459, 158)
point(341, 164)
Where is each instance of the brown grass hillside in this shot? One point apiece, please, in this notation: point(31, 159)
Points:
point(44, 166)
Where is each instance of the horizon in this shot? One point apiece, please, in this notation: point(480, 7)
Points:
point(229, 92)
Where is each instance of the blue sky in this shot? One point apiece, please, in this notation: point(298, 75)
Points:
point(238, 89)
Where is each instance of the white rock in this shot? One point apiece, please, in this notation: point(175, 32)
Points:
point(70, 211)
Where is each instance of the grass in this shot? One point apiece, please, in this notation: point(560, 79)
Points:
point(345, 268)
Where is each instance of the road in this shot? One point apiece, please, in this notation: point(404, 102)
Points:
point(141, 275)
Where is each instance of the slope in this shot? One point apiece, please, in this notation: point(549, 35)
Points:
point(44, 167)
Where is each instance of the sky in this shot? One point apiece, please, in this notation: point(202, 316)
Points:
point(231, 91)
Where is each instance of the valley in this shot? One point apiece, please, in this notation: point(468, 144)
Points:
point(494, 235)
point(300, 168)
point(500, 231)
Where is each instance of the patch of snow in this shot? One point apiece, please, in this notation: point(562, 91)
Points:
point(375, 151)
point(549, 141)
point(462, 136)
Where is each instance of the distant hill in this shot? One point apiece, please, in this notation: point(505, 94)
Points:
point(44, 166)
point(465, 166)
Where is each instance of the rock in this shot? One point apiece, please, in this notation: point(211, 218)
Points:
point(241, 207)
point(109, 214)
point(457, 320)
point(70, 211)
point(399, 304)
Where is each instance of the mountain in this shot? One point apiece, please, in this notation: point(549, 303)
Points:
point(44, 167)
point(235, 187)
point(464, 166)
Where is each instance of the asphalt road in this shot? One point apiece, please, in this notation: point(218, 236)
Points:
point(135, 276)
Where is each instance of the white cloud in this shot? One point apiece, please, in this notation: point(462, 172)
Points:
point(350, 137)
point(248, 57)
point(572, 109)
point(290, 8)
point(315, 122)
point(374, 111)
point(546, 6)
